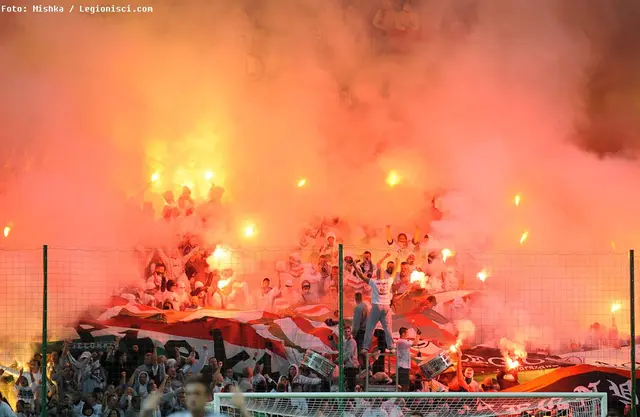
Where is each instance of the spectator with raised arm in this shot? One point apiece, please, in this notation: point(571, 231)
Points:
point(381, 295)
point(401, 244)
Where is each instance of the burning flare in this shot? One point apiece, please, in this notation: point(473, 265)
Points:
point(208, 175)
point(155, 177)
point(466, 330)
point(482, 275)
point(393, 178)
point(249, 230)
point(417, 276)
point(301, 182)
point(517, 199)
point(223, 283)
point(220, 258)
point(512, 352)
point(512, 364)
point(524, 237)
point(615, 307)
point(7, 230)
point(446, 254)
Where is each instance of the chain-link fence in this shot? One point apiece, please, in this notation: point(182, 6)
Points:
point(576, 306)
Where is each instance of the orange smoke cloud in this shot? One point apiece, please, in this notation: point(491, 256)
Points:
point(142, 104)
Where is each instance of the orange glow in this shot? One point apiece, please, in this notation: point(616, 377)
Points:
point(417, 276)
point(393, 178)
point(249, 230)
point(188, 161)
point(524, 237)
point(482, 275)
point(302, 182)
point(7, 230)
point(512, 364)
point(517, 199)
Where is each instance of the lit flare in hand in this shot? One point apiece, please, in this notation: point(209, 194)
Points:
point(512, 352)
point(512, 363)
point(417, 276)
point(446, 254)
point(524, 237)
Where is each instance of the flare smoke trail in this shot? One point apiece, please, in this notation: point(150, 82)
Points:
point(498, 98)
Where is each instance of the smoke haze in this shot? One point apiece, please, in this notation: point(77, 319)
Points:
point(498, 98)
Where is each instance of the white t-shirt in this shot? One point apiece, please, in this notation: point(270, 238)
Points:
point(381, 289)
point(404, 353)
point(266, 299)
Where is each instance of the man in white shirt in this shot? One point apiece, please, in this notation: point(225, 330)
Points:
point(381, 296)
point(404, 357)
point(268, 295)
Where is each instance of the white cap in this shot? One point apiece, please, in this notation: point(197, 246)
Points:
point(199, 284)
point(181, 284)
point(85, 355)
point(289, 283)
point(331, 234)
point(150, 286)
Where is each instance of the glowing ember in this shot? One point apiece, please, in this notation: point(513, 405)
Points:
point(613, 246)
point(301, 182)
point(417, 276)
point(393, 178)
point(512, 364)
point(208, 175)
point(615, 307)
point(482, 275)
point(155, 177)
point(446, 254)
point(453, 348)
point(517, 199)
point(249, 230)
point(7, 230)
point(223, 283)
point(524, 237)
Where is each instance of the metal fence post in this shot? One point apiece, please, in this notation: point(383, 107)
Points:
point(43, 365)
point(341, 317)
point(632, 313)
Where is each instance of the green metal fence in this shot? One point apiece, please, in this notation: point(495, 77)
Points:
point(46, 290)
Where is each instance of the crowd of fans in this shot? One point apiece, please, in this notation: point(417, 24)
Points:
point(190, 275)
